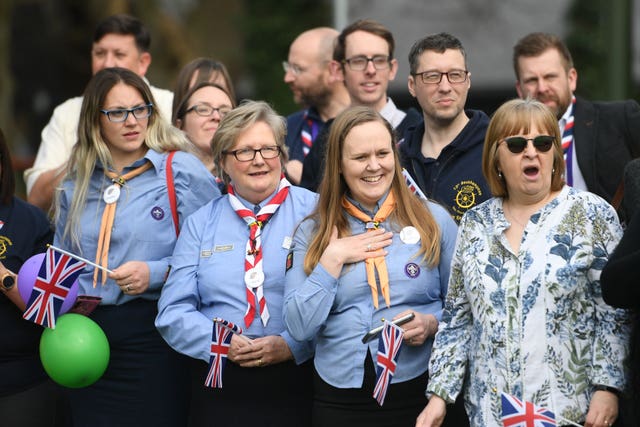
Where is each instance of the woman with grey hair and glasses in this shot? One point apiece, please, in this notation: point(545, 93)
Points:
point(230, 263)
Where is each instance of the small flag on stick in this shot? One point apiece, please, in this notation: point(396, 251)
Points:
point(57, 273)
point(389, 345)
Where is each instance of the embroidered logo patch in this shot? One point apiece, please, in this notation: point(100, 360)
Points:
point(467, 195)
point(157, 213)
point(412, 270)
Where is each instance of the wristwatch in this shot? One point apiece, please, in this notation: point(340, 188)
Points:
point(7, 281)
point(600, 387)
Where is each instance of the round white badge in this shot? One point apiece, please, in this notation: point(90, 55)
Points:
point(111, 194)
point(409, 235)
point(254, 278)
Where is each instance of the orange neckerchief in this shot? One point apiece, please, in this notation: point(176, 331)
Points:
point(377, 263)
point(109, 214)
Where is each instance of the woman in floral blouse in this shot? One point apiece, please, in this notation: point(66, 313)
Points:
point(524, 314)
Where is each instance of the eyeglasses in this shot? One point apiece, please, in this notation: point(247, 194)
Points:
point(517, 144)
point(360, 63)
point(206, 110)
point(248, 154)
point(296, 70)
point(435, 77)
point(121, 114)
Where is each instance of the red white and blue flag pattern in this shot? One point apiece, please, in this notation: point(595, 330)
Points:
point(57, 273)
point(412, 185)
point(389, 345)
point(220, 342)
point(518, 413)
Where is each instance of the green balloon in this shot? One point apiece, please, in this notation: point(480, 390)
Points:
point(76, 353)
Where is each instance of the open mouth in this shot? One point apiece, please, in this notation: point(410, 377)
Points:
point(531, 171)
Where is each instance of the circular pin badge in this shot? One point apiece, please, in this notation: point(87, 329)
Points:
point(254, 278)
point(412, 270)
point(409, 235)
point(111, 194)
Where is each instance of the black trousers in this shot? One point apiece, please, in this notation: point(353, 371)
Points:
point(272, 396)
point(146, 382)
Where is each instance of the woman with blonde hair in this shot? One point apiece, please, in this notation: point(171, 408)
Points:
point(367, 230)
point(121, 205)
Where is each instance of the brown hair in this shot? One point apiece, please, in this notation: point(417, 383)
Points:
point(7, 178)
point(513, 117)
point(368, 26)
point(329, 212)
point(181, 110)
point(535, 44)
point(205, 70)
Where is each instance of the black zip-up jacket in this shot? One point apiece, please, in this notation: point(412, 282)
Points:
point(455, 178)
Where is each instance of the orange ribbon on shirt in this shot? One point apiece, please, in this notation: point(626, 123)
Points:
point(376, 263)
point(108, 216)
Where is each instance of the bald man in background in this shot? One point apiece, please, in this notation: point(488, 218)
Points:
point(308, 74)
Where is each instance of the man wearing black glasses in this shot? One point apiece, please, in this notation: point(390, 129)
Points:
point(598, 138)
point(118, 41)
point(363, 60)
point(443, 153)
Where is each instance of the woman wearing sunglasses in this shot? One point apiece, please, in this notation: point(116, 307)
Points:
point(524, 314)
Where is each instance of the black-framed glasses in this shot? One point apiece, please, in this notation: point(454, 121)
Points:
point(435, 77)
point(206, 110)
point(517, 144)
point(248, 154)
point(360, 63)
point(119, 115)
point(295, 69)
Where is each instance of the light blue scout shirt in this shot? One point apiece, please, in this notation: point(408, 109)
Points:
point(207, 275)
point(339, 312)
point(143, 229)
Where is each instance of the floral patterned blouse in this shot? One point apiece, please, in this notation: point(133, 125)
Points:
point(532, 324)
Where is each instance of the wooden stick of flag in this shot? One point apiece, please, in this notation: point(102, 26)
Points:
point(79, 258)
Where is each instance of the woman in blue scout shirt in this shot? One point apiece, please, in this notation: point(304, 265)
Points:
point(367, 214)
point(114, 205)
point(230, 263)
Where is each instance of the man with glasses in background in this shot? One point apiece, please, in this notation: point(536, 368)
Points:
point(598, 138)
point(119, 41)
point(443, 153)
point(308, 74)
point(363, 60)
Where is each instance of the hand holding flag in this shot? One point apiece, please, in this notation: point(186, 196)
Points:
point(221, 335)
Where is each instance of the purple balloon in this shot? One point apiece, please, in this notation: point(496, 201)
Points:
point(27, 278)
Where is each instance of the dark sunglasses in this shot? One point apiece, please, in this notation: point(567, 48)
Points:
point(517, 144)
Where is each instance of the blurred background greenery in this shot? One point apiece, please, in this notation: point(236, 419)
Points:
point(45, 45)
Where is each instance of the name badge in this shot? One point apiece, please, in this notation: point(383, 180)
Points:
point(206, 253)
point(223, 248)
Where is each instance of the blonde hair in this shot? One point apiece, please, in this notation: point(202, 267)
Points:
point(511, 118)
point(92, 149)
point(240, 119)
point(329, 212)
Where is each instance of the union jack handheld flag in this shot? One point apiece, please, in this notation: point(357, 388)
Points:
point(229, 325)
point(389, 345)
point(57, 274)
point(518, 413)
point(412, 184)
point(220, 343)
